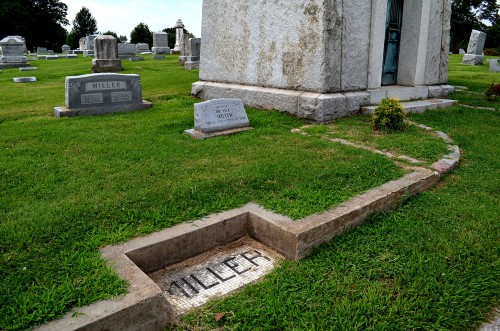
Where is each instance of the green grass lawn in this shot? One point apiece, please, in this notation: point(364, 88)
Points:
point(69, 186)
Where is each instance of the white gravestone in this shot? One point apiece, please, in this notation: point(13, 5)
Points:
point(142, 47)
point(102, 93)
point(475, 49)
point(219, 117)
point(179, 32)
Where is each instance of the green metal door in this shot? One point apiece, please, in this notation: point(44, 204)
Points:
point(392, 40)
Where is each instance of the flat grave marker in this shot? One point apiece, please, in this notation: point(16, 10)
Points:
point(219, 117)
point(193, 282)
point(24, 79)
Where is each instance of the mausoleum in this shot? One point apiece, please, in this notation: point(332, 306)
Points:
point(323, 59)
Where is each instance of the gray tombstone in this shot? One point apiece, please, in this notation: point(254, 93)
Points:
point(219, 117)
point(461, 51)
point(142, 47)
point(474, 55)
point(42, 51)
point(494, 66)
point(193, 60)
point(89, 42)
point(106, 55)
point(24, 79)
point(12, 53)
point(160, 43)
point(65, 49)
point(102, 93)
point(185, 48)
point(126, 50)
point(179, 31)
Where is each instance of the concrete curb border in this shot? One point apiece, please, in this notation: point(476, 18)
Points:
point(144, 307)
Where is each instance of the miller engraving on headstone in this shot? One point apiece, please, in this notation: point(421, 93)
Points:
point(219, 117)
point(102, 93)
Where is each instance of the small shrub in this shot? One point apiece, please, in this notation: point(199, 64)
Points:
point(389, 116)
point(493, 92)
point(491, 52)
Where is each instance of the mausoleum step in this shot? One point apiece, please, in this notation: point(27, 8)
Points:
point(419, 106)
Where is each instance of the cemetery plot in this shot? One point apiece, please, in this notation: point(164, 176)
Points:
point(192, 283)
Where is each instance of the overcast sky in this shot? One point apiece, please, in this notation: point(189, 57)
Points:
point(121, 16)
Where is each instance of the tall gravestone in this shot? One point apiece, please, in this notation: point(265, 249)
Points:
point(179, 31)
point(323, 60)
point(185, 48)
point(12, 53)
point(160, 43)
point(193, 60)
point(474, 55)
point(89, 50)
point(106, 55)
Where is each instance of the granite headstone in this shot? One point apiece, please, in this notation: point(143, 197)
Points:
point(219, 117)
point(106, 55)
point(102, 93)
point(160, 43)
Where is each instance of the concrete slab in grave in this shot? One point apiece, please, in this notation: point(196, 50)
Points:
point(28, 69)
point(96, 94)
point(219, 117)
point(193, 282)
point(71, 56)
point(52, 57)
point(136, 58)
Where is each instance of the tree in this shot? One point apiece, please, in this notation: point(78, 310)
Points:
point(110, 33)
point(141, 34)
point(172, 35)
point(122, 39)
point(40, 22)
point(84, 24)
point(467, 15)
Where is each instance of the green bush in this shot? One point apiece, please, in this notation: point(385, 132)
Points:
point(389, 116)
point(491, 51)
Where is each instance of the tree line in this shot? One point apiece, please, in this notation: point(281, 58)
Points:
point(42, 22)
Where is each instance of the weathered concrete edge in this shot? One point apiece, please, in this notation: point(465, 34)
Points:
point(144, 306)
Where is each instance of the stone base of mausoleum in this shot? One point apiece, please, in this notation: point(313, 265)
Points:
point(313, 106)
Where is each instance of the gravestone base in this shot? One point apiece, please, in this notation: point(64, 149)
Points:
point(200, 135)
point(192, 62)
point(103, 66)
point(88, 53)
point(472, 59)
point(182, 60)
point(159, 57)
point(14, 65)
point(308, 105)
point(66, 112)
point(160, 50)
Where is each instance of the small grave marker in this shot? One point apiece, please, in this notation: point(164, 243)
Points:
point(24, 79)
point(28, 69)
point(219, 117)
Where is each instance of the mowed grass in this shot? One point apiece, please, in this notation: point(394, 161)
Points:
point(431, 265)
point(72, 185)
